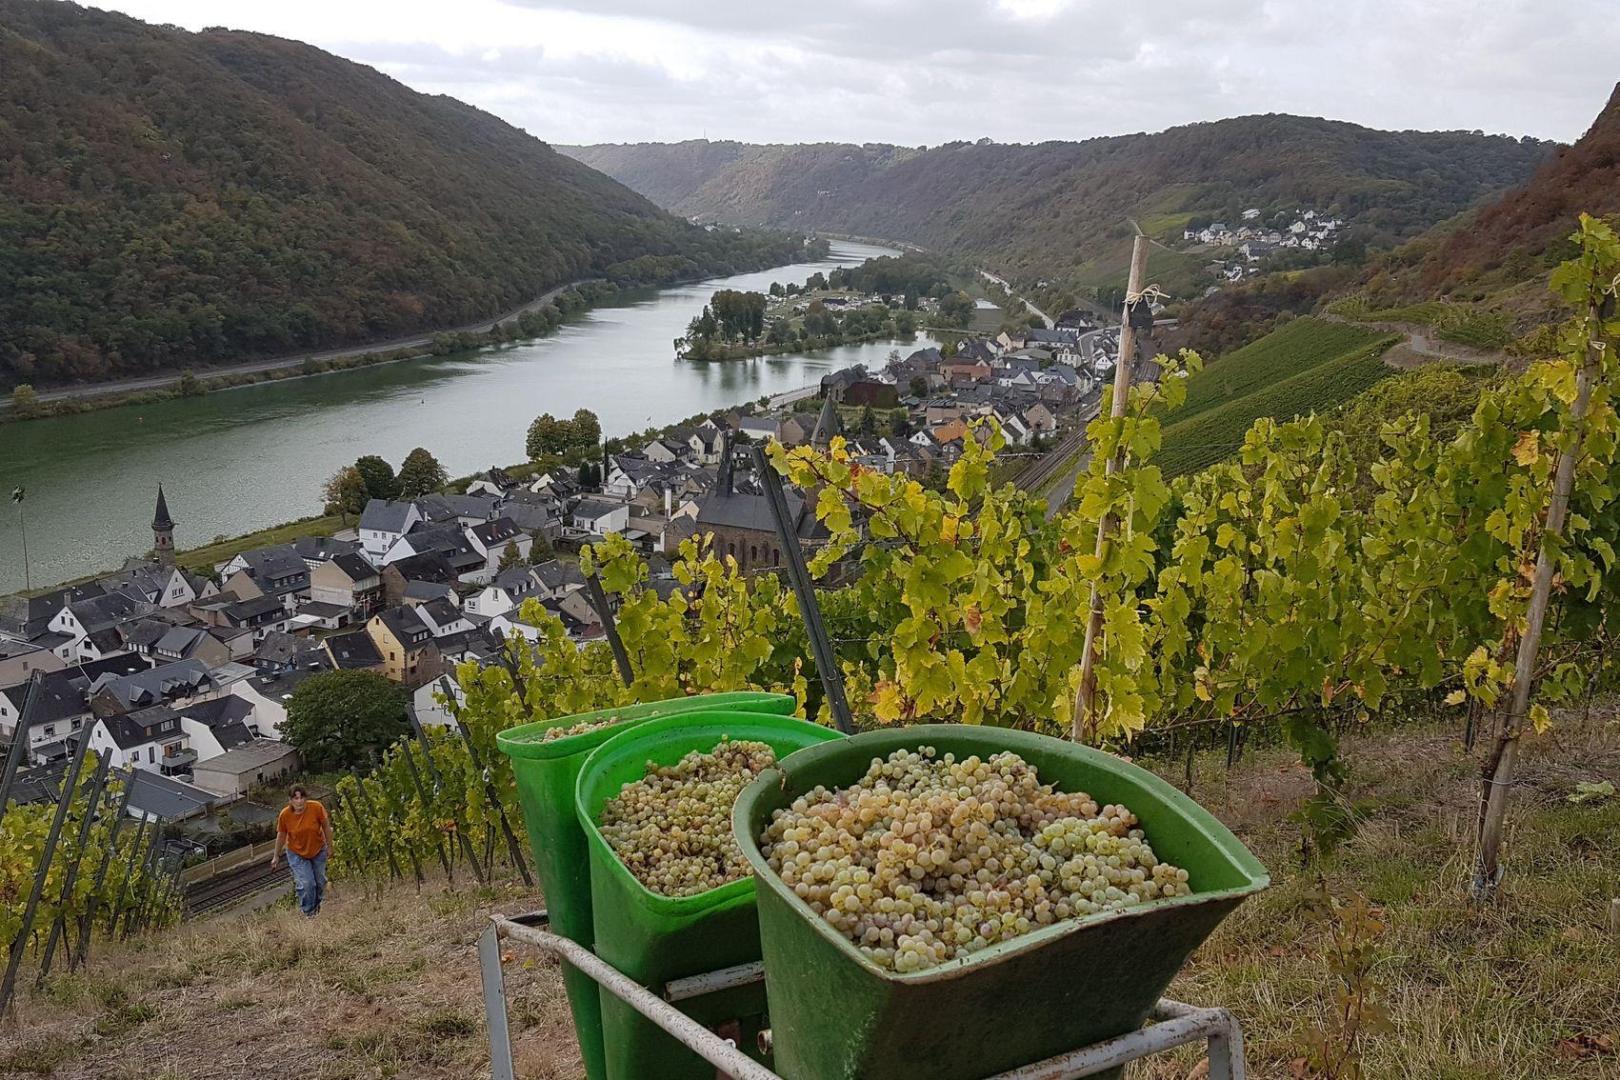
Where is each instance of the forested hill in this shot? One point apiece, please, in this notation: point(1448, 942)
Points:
point(1045, 209)
point(1519, 237)
point(170, 199)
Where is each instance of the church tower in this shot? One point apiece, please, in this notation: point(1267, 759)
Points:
point(163, 532)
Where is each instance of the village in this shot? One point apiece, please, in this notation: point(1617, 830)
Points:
point(1256, 240)
point(184, 674)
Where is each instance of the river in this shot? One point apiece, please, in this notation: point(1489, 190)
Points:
point(240, 460)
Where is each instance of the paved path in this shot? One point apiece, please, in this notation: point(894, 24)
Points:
point(1044, 317)
point(294, 360)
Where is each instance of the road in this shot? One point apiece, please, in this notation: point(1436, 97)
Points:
point(294, 360)
point(1044, 317)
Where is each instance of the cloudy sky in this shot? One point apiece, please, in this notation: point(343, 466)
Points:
point(928, 71)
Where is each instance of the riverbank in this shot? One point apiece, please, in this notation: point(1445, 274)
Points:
point(505, 328)
point(233, 464)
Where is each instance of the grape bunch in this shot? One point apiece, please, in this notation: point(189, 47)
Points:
point(577, 729)
point(926, 858)
point(672, 828)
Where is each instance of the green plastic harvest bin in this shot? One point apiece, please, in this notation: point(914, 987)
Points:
point(654, 938)
point(545, 773)
point(834, 1014)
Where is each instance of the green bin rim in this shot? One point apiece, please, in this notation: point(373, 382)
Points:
point(756, 725)
point(527, 741)
point(887, 740)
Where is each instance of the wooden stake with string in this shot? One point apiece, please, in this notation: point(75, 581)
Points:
point(1085, 698)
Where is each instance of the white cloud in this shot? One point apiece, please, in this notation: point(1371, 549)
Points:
point(928, 71)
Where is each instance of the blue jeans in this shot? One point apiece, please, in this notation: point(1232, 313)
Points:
point(309, 879)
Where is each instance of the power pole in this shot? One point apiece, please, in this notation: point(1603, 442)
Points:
point(1085, 699)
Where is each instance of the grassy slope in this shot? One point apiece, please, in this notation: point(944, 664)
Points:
point(1307, 365)
point(1474, 993)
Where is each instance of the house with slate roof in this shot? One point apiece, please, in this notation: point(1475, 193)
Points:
point(147, 738)
point(349, 581)
point(382, 523)
point(215, 727)
point(405, 642)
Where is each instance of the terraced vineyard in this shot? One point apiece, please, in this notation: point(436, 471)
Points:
point(1306, 366)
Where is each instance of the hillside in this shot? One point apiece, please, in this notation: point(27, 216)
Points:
point(396, 974)
point(1307, 365)
point(1517, 238)
point(171, 199)
point(1059, 208)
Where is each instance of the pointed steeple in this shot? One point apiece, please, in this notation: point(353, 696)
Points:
point(828, 423)
point(161, 519)
point(163, 531)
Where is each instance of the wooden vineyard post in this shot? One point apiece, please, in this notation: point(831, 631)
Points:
point(1498, 774)
point(1085, 699)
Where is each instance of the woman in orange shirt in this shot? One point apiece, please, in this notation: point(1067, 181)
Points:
point(304, 832)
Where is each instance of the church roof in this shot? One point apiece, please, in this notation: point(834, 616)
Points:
point(161, 519)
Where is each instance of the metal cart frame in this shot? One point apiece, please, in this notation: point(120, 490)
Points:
point(1173, 1023)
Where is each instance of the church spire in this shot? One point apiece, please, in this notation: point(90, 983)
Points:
point(163, 531)
point(161, 519)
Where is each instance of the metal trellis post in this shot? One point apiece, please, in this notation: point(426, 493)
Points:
point(86, 920)
point(9, 983)
point(832, 676)
point(71, 878)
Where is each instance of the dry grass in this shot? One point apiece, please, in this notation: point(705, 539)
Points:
point(387, 986)
point(376, 986)
point(1474, 993)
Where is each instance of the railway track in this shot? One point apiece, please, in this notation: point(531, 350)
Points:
point(227, 889)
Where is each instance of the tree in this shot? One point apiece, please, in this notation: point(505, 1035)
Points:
point(345, 492)
point(866, 426)
point(510, 557)
point(189, 386)
point(24, 401)
point(420, 473)
point(344, 719)
point(918, 386)
point(379, 477)
point(956, 308)
point(547, 435)
point(587, 429)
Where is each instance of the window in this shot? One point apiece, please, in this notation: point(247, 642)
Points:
point(151, 755)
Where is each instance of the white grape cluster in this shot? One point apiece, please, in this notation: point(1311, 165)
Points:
point(927, 858)
point(672, 828)
point(576, 729)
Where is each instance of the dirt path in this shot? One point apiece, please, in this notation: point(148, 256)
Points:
point(1421, 346)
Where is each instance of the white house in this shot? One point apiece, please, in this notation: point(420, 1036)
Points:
point(430, 699)
point(599, 517)
point(443, 617)
point(493, 539)
point(215, 727)
point(382, 523)
point(149, 738)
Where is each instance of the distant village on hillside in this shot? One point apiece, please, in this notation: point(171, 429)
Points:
point(1254, 240)
point(185, 676)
